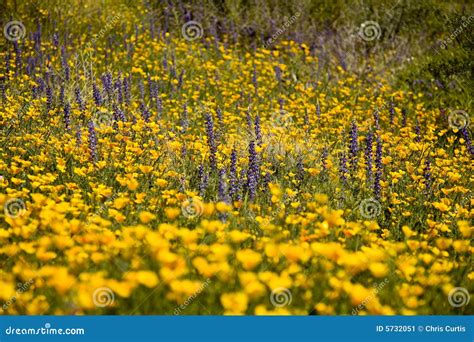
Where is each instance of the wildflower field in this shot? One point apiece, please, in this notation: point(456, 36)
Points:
point(155, 160)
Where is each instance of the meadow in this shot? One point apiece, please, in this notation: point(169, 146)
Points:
point(155, 160)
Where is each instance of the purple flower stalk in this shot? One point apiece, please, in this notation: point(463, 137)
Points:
point(67, 116)
point(324, 157)
point(378, 168)
point(79, 99)
point(368, 155)
point(252, 172)
point(404, 117)
point(343, 168)
point(467, 139)
point(96, 94)
point(391, 110)
point(427, 174)
point(233, 180)
point(418, 132)
point(92, 142)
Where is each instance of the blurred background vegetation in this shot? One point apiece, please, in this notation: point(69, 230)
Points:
point(424, 46)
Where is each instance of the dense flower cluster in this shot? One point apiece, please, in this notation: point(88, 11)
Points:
point(148, 165)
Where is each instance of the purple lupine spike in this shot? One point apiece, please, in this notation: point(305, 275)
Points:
point(49, 98)
point(281, 102)
point(96, 94)
point(353, 148)
point(404, 117)
point(159, 106)
point(467, 140)
point(278, 73)
point(67, 116)
point(7, 63)
point(78, 137)
point(61, 95)
point(378, 168)
point(324, 157)
point(368, 155)
point(418, 132)
point(306, 116)
point(252, 173)
point(266, 180)
point(107, 85)
point(211, 141)
point(203, 180)
point(233, 180)
point(318, 109)
point(118, 89)
point(55, 39)
point(92, 142)
point(258, 131)
point(41, 85)
point(126, 90)
point(343, 168)
point(145, 112)
point(427, 174)
point(391, 110)
point(79, 99)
